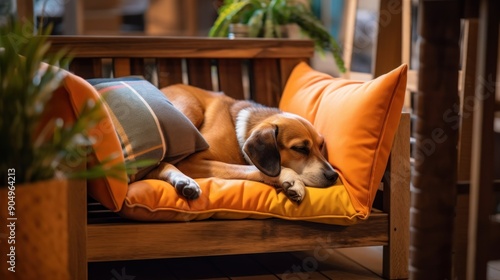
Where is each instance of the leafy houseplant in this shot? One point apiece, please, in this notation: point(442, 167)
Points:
point(37, 196)
point(26, 89)
point(265, 18)
point(28, 77)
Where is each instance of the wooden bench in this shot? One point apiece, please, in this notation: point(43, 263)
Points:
point(245, 68)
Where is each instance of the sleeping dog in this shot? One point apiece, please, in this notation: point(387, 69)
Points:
point(247, 141)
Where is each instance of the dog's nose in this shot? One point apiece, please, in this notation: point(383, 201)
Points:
point(331, 175)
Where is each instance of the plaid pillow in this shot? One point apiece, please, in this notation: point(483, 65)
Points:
point(147, 124)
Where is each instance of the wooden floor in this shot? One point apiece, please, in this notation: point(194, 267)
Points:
point(350, 263)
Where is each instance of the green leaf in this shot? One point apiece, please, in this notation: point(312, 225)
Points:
point(227, 13)
point(39, 151)
point(255, 23)
point(275, 13)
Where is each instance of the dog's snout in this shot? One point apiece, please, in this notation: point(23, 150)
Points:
point(331, 175)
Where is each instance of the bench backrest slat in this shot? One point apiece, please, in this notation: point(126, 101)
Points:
point(86, 67)
point(200, 72)
point(230, 74)
point(121, 67)
point(169, 71)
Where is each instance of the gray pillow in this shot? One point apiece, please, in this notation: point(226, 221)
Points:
point(147, 124)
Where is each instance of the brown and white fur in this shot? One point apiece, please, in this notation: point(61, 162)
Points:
point(247, 141)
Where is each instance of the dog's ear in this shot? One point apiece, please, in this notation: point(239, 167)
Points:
point(262, 149)
point(324, 150)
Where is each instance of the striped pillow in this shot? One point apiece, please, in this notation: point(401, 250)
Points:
point(147, 124)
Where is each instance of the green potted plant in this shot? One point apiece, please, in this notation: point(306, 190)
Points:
point(36, 184)
point(265, 18)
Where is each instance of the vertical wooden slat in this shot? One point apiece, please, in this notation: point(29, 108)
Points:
point(433, 193)
point(467, 100)
point(200, 73)
point(350, 24)
point(137, 66)
point(388, 52)
point(397, 196)
point(73, 17)
point(86, 67)
point(77, 226)
point(121, 67)
point(190, 12)
point(468, 82)
point(169, 71)
point(286, 67)
point(406, 31)
point(482, 168)
point(406, 44)
point(265, 82)
point(25, 10)
point(494, 240)
point(230, 77)
point(461, 235)
point(470, 8)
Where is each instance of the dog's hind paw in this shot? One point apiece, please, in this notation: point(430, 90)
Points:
point(188, 188)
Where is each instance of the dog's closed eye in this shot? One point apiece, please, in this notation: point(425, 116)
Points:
point(301, 149)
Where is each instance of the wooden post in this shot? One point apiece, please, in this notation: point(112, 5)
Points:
point(349, 23)
point(25, 10)
point(434, 182)
point(468, 82)
point(482, 168)
point(468, 85)
point(388, 53)
point(396, 201)
point(73, 17)
point(77, 229)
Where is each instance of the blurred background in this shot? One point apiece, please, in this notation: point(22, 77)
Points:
point(354, 23)
point(194, 18)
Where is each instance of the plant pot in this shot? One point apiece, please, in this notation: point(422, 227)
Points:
point(241, 30)
point(238, 30)
point(36, 232)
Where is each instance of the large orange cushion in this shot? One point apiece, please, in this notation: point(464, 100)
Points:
point(358, 120)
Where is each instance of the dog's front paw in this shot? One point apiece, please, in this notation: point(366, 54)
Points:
point(292, 185)
point(294, 190)
point(187, 188)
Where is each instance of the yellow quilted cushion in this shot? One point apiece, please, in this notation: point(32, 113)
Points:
point(358, 120)
point(155, 200)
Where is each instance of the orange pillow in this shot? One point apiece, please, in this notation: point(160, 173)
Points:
point(66, 103)
point(357, 119)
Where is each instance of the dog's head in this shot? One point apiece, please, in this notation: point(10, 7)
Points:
point(290, 141)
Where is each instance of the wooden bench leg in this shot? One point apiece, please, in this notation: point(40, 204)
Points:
point(77, 224)
point(397, 204)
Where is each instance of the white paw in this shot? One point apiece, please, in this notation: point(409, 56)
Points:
point(292, 185)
